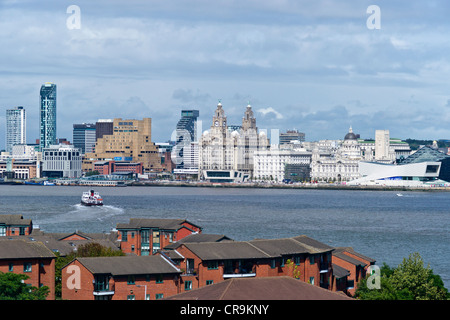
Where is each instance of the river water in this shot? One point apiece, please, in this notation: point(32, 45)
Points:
point(378, 224)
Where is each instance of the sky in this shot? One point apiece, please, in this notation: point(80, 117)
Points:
point(315, 66)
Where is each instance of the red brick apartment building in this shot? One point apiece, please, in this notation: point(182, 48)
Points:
point(354, 263)
point(146, 236)
point(14, 225)
point(120, 278)
point(31, 258)
point(300, 257)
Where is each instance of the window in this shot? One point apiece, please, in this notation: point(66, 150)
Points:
point(297, 260)
point(124, 236)
point(159, 279)
point(187, 285)
point(22, 231)
point(159, 296)
point(27, 267)
point(130, 280)
point(311, 280)
point(208, 282)
point(2, 231)
point(273, 263)
point(11, 267)
point(311, 259)
point(213, 265)
point(131, 297)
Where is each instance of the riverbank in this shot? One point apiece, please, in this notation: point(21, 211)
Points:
point(319, 186)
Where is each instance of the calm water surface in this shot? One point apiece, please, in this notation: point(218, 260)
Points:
point(378, 224)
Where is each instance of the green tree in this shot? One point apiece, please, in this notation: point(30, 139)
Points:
point(409, 281)
point(413, 276)
point(12, 287)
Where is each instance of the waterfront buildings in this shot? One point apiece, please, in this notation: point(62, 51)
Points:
point(47, 116)
point(16, 127)
point(84, 137)
point(22, 169)
point(279, 164)
point(61, 161)
point(226, 156)
point(339, 161)
point(129, 141)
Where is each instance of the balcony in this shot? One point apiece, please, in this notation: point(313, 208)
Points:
point(238, 273)
point(103, 289)
point(324, 267)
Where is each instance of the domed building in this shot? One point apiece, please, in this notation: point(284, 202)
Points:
point(339, 166)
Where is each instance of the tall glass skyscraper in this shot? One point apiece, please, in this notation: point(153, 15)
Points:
point(47, 116)
point(15, 127)
point(186, 134)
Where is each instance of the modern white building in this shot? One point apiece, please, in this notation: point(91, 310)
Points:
point(61, 161)
point(16, 127)
point(420, 174)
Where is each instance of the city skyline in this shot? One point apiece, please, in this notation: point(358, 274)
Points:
point(308, 66)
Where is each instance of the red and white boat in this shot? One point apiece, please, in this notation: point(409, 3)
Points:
point(91, 198)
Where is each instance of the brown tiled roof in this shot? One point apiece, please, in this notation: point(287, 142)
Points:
point(340, 272)
point(267, 288)
point(199, 237)
point(353, 252)
point(349, 259)
point(258, 248)
point(128, 265)
point(22, 249)
point(164, 224)
point(14, 219)
point(314, 245)
point(225, 250)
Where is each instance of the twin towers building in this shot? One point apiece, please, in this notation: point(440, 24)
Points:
point(226, 152)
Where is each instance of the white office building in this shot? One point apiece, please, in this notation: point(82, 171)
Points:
point(16, 132)
point(61, 161)
point(279, 164)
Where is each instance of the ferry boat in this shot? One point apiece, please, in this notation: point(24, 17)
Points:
point(91, 198)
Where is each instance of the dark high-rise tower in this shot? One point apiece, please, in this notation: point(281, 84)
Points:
point(47, 115)
point(186, 134)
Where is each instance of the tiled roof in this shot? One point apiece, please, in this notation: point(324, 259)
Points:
point(340, 272)
point(199, 237)
point(14, 219)
point(22, 249)
point(225, 250)
point(165, 224)
point(349, 259)
point(258, 248)
point(128, 265)
point(266, 288)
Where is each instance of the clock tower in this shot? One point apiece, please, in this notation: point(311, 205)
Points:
point(219, 118)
